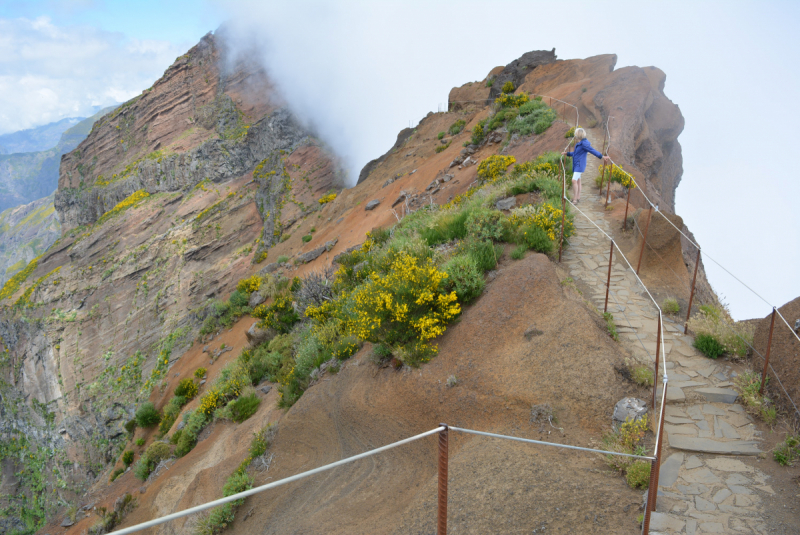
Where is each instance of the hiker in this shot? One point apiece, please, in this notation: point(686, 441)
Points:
point(582, 146)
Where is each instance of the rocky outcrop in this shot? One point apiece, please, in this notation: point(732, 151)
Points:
point(404, 134)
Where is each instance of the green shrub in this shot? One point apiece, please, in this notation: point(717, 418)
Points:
point(282, 259)
point(610, 325)
point(490, 81)
point(142, 469)
point(440, 135)
point(449, 226)
point(717, 323)
point(570, 133)
point(671, 306)
point(638, 474)
point(130, 426)
point(531, 114)
point(519, 252)
point(484, 253)
point(127, 458)
point(788, 451)
point(280, 315)
point(171, 412)
point(536, 239)
point(186, 389)
point(748, 385)
point(381, 352)
point(244, 407)
point(464, 277)
point(709, 346)
point(200, 373)
point(627, 438)
point(115, 474)
point(147, 415)
point(140, 442)
point(457, 127)
point(642, 375)
point(442, 148)
point(485, 224)
point(307, 238)
point(194, 424)
point(176, 437)
point(478, 133)
point(508, 87)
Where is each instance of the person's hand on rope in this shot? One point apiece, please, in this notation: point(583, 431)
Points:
point(606, 160)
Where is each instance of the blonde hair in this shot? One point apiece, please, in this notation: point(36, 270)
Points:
point(580, 133)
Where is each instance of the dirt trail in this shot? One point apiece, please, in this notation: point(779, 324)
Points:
point(700, 489)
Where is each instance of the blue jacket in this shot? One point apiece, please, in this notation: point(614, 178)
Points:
point(579, 155)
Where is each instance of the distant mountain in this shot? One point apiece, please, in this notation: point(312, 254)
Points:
point(27, 176)
point(26, 232)
point(36, 139)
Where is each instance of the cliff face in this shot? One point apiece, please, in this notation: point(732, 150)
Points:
point(134, 276)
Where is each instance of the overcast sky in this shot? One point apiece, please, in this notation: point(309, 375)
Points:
point(361, 71)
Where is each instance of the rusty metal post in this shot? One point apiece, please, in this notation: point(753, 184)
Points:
point(608, 186)
point(644, 239)
point(766, 359)
point(441, 524)
point(650, 506)
point(658, 352)
point(608, 283)
point(627, 203)
point(691, 295)
point(563, 211)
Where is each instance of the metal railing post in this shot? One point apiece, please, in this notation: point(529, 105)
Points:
point(766, 358)
point(655, 370)
point(608, 186)
point(649, 506)
point(691, 295)
point(608, 282)
point(441, 524)
point(563, 212)
point(627, 204)
point(644, 239)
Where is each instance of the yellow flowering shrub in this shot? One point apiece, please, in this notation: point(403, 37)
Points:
point(403, 307)
point(279, 315)
point(509, 100)
point(494, 167)
point(13, 284)
point(250, 284)
point(545, 216)
point(210, 402)
point(128, 202)
point(617, 175)
point(327, 198)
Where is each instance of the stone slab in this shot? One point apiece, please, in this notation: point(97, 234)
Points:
point(712, 410)
point(701, 475)
point(690, 430)
point(705, 445)
point(727, 430)
point(668, 473)
point(737, 479)
point(727, 465)
point(706, 372)
point(673, 394)
point(686, 384)
point(737, 420)
point(721, 495)
point(695, 412)
point(703, 505)
point(665, 522)
point(677, 421)
point(693, 462)
point(718, 395)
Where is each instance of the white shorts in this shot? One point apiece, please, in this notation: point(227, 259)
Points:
point(576, 176)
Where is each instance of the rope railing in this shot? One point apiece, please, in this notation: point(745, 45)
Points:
point(442, 431)
point(777, 312)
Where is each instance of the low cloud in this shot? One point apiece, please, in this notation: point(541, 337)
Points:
point(50, 72)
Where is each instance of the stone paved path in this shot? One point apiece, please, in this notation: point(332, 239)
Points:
point(703, 488)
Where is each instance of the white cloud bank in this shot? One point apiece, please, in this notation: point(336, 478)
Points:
point(48, 72)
